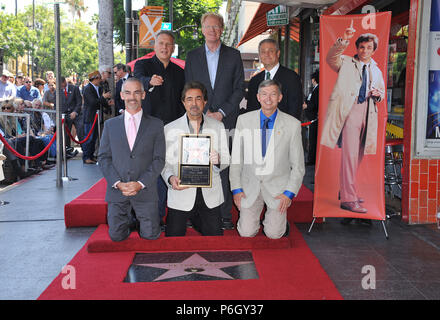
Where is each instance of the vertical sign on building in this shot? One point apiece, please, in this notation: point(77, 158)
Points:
point(278, 16)
point(150, 23)
point(433, 119)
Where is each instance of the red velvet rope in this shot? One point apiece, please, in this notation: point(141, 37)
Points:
point(88, 136)
point(305, 124)
point(24, 157)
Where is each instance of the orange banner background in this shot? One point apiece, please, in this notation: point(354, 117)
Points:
point(370, 178)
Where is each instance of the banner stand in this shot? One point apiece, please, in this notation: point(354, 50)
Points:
point(383, 225)
point(65, 176)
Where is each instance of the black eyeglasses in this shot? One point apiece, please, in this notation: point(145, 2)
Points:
point(6, 108)
point(28, 82)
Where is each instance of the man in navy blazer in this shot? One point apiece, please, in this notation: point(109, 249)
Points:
point(220, 69)
point(131, 157)
point(291, 87)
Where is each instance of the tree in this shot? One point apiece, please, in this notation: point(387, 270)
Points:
point(186, 13)
point(15, 38)
point(79, 47)
point(76, 7)
point(105, 33)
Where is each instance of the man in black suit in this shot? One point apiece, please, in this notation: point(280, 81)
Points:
point(122, 74)
point(220, 69)
point(291, 87)
point(93, 101)
point(311, 110)
point(131, 157)
point(71, 103)
point(163, 81)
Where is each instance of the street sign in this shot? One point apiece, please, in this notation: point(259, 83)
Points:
point(278, 16)
point(167, 26)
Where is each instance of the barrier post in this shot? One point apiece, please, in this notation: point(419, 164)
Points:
point(28, 124)
point(99, 128)
point(65, 176)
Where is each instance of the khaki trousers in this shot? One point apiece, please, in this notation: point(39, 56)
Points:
point(353, 144)
point(249, 222)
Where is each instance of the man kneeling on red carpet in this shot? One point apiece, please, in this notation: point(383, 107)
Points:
point(131, 157)
point(200, 205)
point(267, 164)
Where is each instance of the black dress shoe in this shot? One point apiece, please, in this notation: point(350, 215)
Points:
point(227, 224)
point(346, 221)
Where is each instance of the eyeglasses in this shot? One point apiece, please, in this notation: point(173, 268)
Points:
point(28, 82)
point(6, 108)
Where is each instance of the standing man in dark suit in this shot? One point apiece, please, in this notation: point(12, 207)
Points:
point(220, 69)
point(269, 52)
point(311, 110)
point(163, 81)
point(71, 103)
point(122, 74)
point(93, 101)
point(131, 157)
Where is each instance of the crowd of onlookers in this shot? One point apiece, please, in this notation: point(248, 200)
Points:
point(20, 95)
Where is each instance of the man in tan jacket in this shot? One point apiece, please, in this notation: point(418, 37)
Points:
point(351, 121)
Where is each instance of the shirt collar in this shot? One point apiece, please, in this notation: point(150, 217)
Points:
point(217, 51)
point(191, 129)
point(272, 117)
point(274, 70)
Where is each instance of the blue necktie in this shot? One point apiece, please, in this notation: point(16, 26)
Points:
point(263, 136)
point(363, 89)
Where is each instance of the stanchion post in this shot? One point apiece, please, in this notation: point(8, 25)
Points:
point(28, 126)
point(63, 123)
point(99, 129)
point(58, 98)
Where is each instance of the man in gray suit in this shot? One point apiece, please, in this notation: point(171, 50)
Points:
point(220, 69)
point(267, 164)
point(131, 157)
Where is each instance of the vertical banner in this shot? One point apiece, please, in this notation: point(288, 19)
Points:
point(349, 177)
point(433, 122)
point(150, 23)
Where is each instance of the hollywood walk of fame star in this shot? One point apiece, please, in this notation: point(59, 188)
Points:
point(194, 264)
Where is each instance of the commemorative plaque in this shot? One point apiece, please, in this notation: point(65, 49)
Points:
point(195, 168)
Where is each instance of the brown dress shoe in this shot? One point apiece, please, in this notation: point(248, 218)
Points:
point(353, 206)
point(89, 161)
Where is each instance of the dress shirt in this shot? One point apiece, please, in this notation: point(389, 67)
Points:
point(212, 58)
point(273, 71)
point(97, 89)
point(268, 135)
point(137, 120)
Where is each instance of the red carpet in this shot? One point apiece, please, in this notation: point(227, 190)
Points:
point(284, 274)
point(90, 208)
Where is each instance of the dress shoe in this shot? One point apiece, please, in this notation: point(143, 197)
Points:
point(353, 206)
point(89, 161)
point(227, 224)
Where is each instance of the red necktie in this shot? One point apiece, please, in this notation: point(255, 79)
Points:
point(65, 92)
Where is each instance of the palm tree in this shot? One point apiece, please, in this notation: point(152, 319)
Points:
point(76, 7)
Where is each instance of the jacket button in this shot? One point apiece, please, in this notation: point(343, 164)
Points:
point(132, 156)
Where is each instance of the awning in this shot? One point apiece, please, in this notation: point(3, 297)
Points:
point(179, 62)
point(258, 25)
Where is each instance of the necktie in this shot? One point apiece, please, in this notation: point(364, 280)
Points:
point(263, 136)
point(363, 89)
point(65, 92)
point(131, 136)
point(267, 75)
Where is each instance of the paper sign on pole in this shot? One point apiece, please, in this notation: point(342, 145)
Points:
point(150, 23)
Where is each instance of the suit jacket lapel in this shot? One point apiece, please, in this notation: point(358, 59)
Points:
point(142, 129)
point(204, 67)
point(220, 64)
point(123, 135)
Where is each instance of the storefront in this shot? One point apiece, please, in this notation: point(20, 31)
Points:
point(410, 114)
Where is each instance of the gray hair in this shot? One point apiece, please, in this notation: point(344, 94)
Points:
point(132, 79)
point(268, 83)
point(168, 33)
point(269, 40)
